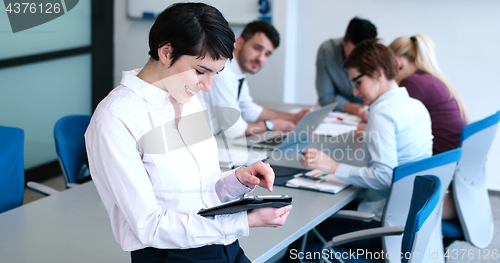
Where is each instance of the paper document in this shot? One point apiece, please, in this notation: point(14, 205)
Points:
point(333, 129)
point(317, 180)
point(342, 117)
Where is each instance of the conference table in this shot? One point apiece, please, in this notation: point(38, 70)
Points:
point(309, 207)
point(73, 225)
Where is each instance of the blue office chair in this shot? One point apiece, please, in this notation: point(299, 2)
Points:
point(398, 202)
point(442, 165)
point(70, 147)
point(475, 219)
point(11, 168)
point(423, 216)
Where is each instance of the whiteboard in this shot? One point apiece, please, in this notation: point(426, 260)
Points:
point(236, 12)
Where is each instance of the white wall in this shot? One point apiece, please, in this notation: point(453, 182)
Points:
point(131, 41)
point(465, 33)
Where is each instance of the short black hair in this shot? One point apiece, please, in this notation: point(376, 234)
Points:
point(264, 27)
point(359, 30)
point(193, 29)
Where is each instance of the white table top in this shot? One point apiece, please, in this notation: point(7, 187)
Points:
point(73, 226)
point(309, 209)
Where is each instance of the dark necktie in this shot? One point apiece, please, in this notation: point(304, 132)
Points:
point(240, 86)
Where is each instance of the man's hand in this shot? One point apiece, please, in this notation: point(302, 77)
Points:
point(316, 159)
point(268, 217)
point(282, 125)
point(354, 108)
point(258, 173)
point(298, 116)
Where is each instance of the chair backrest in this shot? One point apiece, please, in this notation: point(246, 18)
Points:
point(11, 168)
point(398, 202)
point(422, 218)
point(469, 187)
point(70, 144)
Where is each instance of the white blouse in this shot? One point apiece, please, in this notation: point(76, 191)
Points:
point(153, 178)
point(398, 132)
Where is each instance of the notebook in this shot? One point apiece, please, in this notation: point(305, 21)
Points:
point(318, 181)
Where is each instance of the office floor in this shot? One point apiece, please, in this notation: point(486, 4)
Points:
point(459, 246)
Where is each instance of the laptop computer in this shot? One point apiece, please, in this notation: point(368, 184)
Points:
point(274, 140)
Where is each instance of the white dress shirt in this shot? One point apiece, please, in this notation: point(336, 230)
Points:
point(224, 93)
point(153, 178)
point(398, 132)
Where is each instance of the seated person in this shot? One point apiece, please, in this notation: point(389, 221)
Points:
point(152, 156)
point(230, 89)
point(398, 132)
point(424, 81)
point(332, 80)
point(419, 73)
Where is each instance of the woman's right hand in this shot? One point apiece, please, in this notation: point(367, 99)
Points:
point(316, 159)
point(268, 217)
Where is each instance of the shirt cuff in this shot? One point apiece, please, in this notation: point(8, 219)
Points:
point(233, 186)
point(234, 226)
point(341, 102)
point(342, 172)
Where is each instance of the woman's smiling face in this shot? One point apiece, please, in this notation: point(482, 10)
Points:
point(190, 74)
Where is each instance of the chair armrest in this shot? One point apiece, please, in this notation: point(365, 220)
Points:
point(354, 215)
point(364, 234)
point(41, 189)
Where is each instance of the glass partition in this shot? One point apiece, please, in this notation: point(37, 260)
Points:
point(35, 96)
point(71, 30)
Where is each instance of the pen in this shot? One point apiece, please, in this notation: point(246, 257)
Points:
point(311, 178)
point(301, 152)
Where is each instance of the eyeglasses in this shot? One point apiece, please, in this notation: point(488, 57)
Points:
point(353, 81)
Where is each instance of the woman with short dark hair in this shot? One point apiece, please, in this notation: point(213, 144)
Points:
point(153, 158)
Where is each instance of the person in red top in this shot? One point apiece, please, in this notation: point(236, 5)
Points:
point(420, 74)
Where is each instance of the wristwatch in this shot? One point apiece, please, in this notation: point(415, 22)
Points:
point(269, 125)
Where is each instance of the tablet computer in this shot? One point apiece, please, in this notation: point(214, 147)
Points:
point(247, 202)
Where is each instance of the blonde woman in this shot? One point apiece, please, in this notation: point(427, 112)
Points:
point(420, 74)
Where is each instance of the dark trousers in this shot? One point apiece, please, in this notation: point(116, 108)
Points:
point(332, 227)
point(213, 254)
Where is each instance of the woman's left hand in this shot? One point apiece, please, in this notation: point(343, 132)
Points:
point(316, 159)
point(258, 173)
